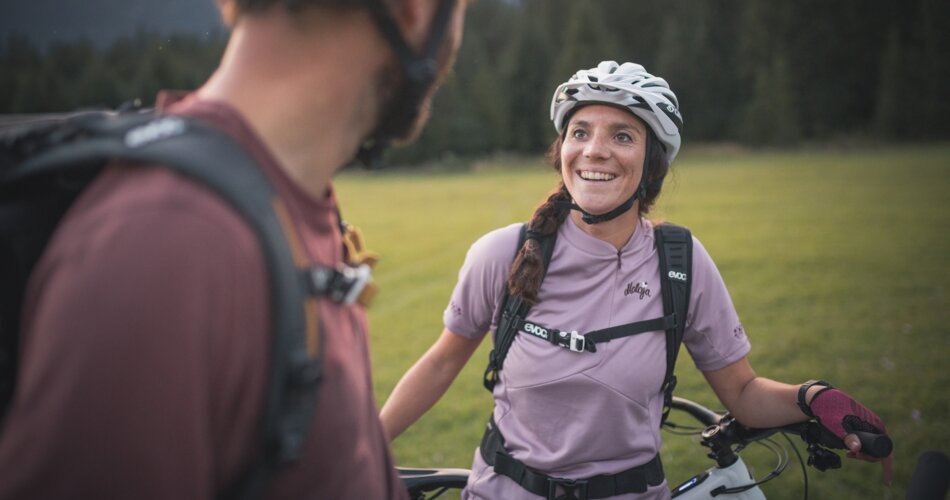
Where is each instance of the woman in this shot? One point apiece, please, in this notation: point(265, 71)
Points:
point(576, 415)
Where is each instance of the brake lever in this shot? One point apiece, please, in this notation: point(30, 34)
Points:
point(823, 459)
point(819, 440)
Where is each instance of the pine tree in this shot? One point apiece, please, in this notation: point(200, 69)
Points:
point(888, 121)
point(771, 117)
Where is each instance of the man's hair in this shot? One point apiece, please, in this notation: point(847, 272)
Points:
point(231, 10)
point(296, 5)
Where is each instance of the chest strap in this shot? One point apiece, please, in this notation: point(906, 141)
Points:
point(579, 343)
point(634, 480)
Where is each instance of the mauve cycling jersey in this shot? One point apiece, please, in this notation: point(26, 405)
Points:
point(576, 415)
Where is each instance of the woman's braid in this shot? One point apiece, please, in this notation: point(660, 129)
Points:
point(527, 271)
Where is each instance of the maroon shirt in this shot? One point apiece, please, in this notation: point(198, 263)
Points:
point(146, 335)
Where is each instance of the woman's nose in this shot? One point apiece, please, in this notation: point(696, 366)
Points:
point(596, 149)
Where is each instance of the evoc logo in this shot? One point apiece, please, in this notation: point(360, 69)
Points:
point(672, 109)
point(536, 330)
point(154, 130)
point(678, 276)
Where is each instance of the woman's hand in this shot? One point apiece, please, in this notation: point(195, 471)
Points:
point(844, 416)
point(853, 444)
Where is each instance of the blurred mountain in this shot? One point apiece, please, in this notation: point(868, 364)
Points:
point(102, 21)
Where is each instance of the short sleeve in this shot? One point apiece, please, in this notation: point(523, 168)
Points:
point(714, 335)
point(480, 287)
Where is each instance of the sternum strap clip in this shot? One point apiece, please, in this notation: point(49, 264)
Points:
point(343, 285)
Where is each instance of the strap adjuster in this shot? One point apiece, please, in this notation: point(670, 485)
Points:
point(574, 489)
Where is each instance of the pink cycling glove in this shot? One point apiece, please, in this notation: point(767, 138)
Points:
point(842, 415)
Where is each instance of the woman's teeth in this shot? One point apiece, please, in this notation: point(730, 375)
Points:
point(596, 176)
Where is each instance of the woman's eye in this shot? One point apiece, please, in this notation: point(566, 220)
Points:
point(624, 137)
point(579, 133)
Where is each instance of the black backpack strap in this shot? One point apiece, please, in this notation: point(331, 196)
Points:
point(674, 245)
point(577, 342)
point(617, 332)
point(512, 313)
point(216, 161)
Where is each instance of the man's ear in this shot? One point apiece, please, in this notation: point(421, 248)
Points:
point(228, 10)
point(414, 18)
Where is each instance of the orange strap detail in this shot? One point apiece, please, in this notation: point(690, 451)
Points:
point(301, 261)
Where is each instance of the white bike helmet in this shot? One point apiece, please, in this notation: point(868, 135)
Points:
point(628, 85)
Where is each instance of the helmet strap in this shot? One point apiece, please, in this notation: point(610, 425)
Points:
point(640, 193)
point(420, 71)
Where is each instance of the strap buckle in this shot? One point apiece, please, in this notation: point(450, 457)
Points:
point(358, 277)
point(574, 489)
point(578, 342)
point(344, 285)
point(572, 340)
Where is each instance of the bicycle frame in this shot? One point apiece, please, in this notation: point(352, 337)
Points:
point(702, 486)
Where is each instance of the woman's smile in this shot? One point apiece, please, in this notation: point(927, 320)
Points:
point(590, 175)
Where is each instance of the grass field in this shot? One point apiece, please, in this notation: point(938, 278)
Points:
point(838, 262)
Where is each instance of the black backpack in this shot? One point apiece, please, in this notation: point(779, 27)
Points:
point(675, 247)
point(47, 162)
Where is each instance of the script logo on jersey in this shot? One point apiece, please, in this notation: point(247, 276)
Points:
point(738, 332)
point(640, 289)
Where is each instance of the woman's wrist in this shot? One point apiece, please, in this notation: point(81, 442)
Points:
point(807, 393)
point(812, 392)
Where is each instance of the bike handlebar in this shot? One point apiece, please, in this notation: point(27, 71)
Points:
point(875, 445)
point(702, 414)
point(422, 481)
point(872, 444)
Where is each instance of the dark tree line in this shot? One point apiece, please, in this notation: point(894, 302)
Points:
point(66, 76)
point(745, 70)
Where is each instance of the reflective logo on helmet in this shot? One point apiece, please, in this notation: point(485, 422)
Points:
point(672, 109)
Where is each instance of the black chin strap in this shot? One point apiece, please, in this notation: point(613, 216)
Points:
point(590, 218)
point(640, 194)
point(420, 71)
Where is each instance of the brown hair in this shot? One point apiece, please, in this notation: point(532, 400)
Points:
point(527, 270)
point(295, 5)
point(232, 9)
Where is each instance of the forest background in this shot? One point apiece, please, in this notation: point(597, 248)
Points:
point(745, 71)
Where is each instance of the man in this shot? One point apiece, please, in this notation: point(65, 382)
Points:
point(146, 327)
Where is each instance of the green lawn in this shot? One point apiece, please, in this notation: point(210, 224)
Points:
point(838, 262)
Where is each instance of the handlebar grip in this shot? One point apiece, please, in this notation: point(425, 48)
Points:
point(875, 445)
